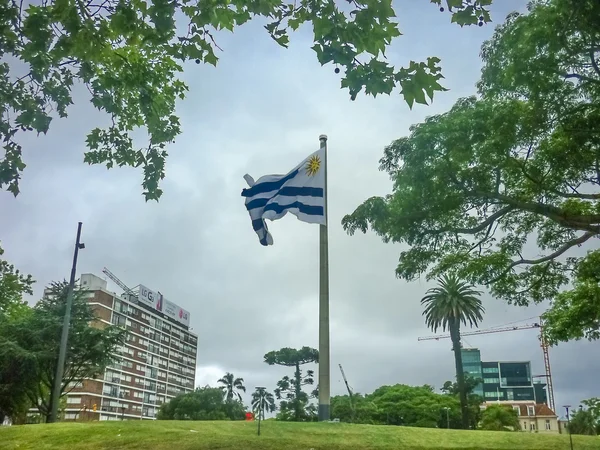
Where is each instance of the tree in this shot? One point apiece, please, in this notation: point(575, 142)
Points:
point(231, 386)
point(447, 306)
point(478, 188)
point(35, 338)
point(262, 401)
point(500, 418)
point(582, 422)
point(17, 368)
point(295, 400)
point(16, 363)
point(474, 401)
point(586, 421)
point(127, 54)
point(206, 403)
point(593, 406)
point(13, 285)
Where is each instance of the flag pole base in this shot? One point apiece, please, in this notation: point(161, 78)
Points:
point(324, 413)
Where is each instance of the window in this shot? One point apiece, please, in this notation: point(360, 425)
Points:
point(491, 394)
point(532, 427)
point(531, 410)
point(518, 410)
point(491, 380)
point(548, 427)
point(490, 370)
point(72, 400)
point(525, 426)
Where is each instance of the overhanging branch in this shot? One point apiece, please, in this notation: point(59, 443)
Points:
point(593, 61)
point(566, 246)
point(486, 223)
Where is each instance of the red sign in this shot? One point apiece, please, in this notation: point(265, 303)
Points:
point(249, 416)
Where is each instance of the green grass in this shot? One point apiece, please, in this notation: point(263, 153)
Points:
point(175, 435)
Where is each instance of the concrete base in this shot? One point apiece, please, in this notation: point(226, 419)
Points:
point(324, 413)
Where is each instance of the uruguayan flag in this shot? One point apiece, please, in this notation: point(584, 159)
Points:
point(300, 192)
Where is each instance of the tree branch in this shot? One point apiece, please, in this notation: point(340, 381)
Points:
point(486, 223)
point(589, 222)
point(566, 246)
point(581, 77)
point(594, 63)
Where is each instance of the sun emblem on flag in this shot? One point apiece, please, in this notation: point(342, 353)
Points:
point(313, 165)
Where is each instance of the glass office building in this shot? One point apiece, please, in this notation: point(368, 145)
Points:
point(503, 380)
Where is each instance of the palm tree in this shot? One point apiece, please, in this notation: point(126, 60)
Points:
point(262, 401)
point(231, 386)
point(446, 306)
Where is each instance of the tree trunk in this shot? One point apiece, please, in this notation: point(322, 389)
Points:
point(298, 389)
point(460, 374)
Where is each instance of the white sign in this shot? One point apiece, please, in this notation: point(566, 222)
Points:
point(176, 312)
point(158, 302)
point(147, 296)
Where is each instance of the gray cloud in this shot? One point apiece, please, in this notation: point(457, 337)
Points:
point(261, 111)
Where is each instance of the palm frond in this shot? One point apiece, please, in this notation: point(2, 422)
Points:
point(453, 301)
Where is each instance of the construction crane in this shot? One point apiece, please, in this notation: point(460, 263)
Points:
point(349, 391)
point(543, 344)
point(116, 280)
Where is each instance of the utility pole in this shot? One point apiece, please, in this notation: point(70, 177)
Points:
point(447, 417)
point(62, 352)
point(569, 426)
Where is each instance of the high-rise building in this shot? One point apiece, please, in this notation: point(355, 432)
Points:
point(503, 380)
point(156, 363)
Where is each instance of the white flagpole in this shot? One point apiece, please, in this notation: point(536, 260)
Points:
point(324, 382)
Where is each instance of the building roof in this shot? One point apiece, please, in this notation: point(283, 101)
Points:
point(540, 409)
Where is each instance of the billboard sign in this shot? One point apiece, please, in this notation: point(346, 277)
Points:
point(147, 296)
point(161, 304)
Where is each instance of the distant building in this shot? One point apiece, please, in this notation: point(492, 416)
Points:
point(508, 381)
point(534, 418)
point(156, 363)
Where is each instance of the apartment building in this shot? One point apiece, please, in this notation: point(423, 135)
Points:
point(156, 363)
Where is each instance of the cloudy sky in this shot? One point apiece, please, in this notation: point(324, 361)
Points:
point(261, 111)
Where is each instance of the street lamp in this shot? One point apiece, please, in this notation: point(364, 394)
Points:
point(569, 425)
point(261, 396)
point(447, 416)
point(62, 351)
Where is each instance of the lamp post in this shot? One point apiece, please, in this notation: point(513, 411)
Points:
point(447, 417)
point(569, 425)
point(261, 398)
point(62, 352)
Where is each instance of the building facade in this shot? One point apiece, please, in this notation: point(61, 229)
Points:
point(508, 381)
point(156, 363)
point(534, 417)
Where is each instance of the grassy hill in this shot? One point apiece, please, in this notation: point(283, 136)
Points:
point(174, 435)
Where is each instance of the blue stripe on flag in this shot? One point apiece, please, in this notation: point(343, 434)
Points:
point(260, 188)
point(288, 191)
point(257, 224)
point(306, 209)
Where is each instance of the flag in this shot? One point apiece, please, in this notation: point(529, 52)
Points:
point(300, 192)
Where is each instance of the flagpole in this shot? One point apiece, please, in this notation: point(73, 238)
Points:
point(324, 382)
